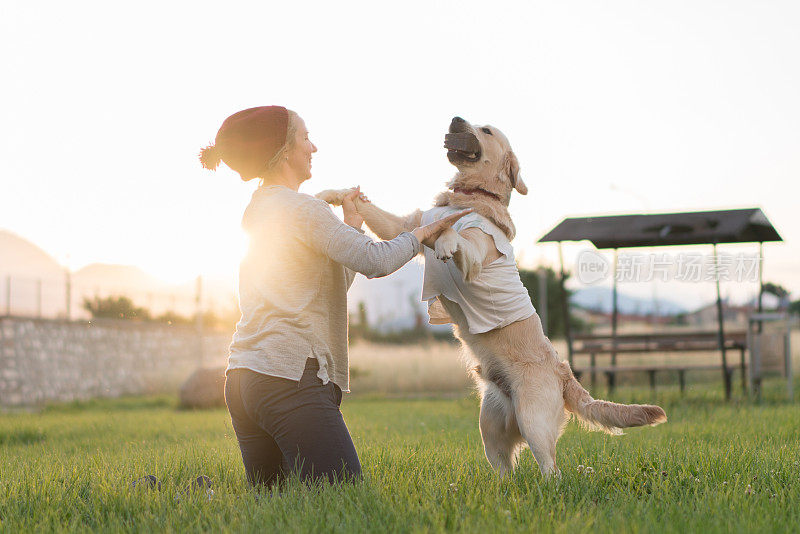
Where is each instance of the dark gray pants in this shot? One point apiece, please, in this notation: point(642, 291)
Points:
point(285, 426)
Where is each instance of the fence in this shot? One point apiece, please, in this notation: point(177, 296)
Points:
point(65, 297)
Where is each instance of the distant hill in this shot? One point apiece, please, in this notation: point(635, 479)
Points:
point(124, 277)
point(36, 278)
point(601, 299)
point(38, 284)
point(19, 257)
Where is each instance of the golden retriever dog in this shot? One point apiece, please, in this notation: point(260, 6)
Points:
point(471, 280)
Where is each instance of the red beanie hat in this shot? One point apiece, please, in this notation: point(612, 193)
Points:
point(248, 140)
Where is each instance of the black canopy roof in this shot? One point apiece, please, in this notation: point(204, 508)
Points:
point(693, 228)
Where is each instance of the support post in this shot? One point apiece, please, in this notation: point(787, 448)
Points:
point(754, 367)
point(760, 275)
point(787, 359)
point(542, 307)
point(565, 306)
point(760, 282)
point(614, 318)
point(743, 368)
point(68, 294)
point(39, 298)
point(8, 294)
point(759, 324)
point(198, 301)
point(721, 330)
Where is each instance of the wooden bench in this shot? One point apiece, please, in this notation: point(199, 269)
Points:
point(630, 344)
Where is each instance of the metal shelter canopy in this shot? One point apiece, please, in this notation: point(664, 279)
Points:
point(661, 229)
point(664, 229)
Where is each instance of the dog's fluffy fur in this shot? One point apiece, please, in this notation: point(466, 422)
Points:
point(527, 392)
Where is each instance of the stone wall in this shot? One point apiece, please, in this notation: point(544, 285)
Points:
point(44, 360)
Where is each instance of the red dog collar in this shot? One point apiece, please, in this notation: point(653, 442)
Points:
point(476, 191)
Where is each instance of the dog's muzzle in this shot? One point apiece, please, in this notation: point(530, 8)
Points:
point(461, 144)
point(466, 143)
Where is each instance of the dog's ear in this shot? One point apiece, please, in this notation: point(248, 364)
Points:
point(512, 171)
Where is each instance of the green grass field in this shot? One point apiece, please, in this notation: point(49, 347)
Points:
point(714, 467)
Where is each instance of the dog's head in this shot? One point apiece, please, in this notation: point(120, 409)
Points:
point(484, 159)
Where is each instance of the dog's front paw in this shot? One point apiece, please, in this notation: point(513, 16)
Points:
point(446, 246)
point(468, 264)
point(334, 197)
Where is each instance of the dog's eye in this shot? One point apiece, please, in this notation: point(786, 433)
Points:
point(486, 130)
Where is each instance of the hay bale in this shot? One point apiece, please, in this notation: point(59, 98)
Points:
point(205, 388)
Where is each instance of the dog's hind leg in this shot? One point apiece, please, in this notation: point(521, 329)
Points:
point(539, 408)
point(499, 431)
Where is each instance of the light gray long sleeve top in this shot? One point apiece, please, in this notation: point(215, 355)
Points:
point(293, 284)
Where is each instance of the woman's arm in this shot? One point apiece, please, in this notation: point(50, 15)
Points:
point(347, 246)
point(328, 235)
point(373, 259)
point(382, 223)
point(429, 235)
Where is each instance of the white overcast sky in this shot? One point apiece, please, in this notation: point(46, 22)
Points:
point(611, 107)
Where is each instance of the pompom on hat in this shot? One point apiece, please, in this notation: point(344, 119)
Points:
point(248, 140)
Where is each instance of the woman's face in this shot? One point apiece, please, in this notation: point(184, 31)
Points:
point(300, 154)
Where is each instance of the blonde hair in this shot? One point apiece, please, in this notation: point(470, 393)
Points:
point(291, 133)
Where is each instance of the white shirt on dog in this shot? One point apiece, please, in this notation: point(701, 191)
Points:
point(496, 298)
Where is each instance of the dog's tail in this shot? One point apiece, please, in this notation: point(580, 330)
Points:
point(603, 415)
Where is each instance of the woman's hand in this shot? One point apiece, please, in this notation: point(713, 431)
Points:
point(351, 215)
point(428, 234)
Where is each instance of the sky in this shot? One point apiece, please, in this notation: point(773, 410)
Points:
point(611, 107)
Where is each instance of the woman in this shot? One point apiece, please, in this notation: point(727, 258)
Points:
point(288, 363)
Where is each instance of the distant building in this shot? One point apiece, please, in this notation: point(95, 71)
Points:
point(600, 321)
point(706, 317)
point(735, 315)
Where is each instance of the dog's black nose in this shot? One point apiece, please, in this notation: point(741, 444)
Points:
point(457, 120)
